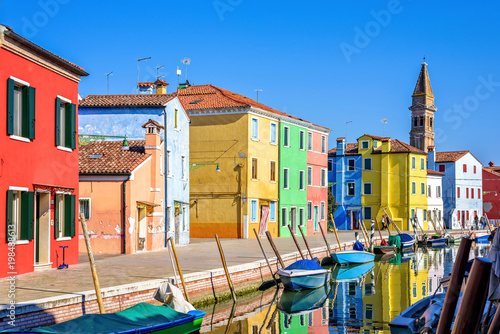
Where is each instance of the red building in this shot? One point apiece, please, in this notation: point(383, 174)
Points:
point(38, 157)
point(491, 192)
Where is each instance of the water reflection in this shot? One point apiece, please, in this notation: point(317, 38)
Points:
point(361, 299)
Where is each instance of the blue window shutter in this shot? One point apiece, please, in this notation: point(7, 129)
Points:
point(10, 106)
point(58, 121)
point(10, 197)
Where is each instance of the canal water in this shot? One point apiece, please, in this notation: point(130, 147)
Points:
point(361, 299)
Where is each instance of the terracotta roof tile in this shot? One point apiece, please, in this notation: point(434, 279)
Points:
point(112, 159)
point(131, 100)
point(433, 172)
point(161, 82)
point(398, 146)
point(352, 149)
point(374, 137)
point(451, 156)
point(495, 170)
point(154, 123)
point(146, 84)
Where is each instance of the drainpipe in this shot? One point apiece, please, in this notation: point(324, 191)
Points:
point(165, 178)
point(124, 214)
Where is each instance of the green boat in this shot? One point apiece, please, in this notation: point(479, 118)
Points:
point(140, 318)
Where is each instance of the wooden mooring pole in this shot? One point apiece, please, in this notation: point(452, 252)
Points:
point(97, 287)
point(296, 243)
point(335, 230)
point(273, 246)
point(474, 298)
point(233, 294)
point(265, 256)
point(328, 250)
point(457, 277)
point(305, 241)
point(179, 269)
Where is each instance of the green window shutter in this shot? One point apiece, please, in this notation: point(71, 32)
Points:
point(27, 215)
point(73, 125)
point(26, 112)
point(58, 121)
point(56, 217)
point(31, 112)
point(10, 197)
point(10, 106)
point(69, 215)
point(69, 127)
point(73, 214)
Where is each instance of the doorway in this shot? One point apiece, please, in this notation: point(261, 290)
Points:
point(293, 218)
point(264, 216)
point(42, 228)
point(316, 210)
point(141, 229)
point(177, 221)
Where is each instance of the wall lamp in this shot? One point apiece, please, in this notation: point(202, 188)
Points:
point(203, 164)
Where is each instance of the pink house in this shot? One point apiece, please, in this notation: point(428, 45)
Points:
point(317, 178)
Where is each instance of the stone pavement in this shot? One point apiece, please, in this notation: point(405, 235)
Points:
point(114, 270)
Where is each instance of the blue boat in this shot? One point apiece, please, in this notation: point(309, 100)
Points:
point(438, 242)
point(482, 237)
point(352, 257)
point(301, 302)
point(402, 241)
point(303, 274)
point(349, 273)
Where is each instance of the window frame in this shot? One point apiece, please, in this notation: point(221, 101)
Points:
point(302, 140)
point(89, 199)
point(24, 114)
point(323, 144)
point(254, 129)
point(422, 188)
point(284, 213)
point(286, 136)
point(365, 160)
point(254, 169)
point(365, 216)
point(330, 165)
point(309, 141)
point(183, 167)
point(272, 213)
point(302, 181)
point(465, 168)
point(353, 165)
point(65, 124)
point(273, 131)
point(363, 142)
point(413, 187)
point(322, 210)
point(301, 217)
point(286, 178)
point(353, 188)
point(413, 163)
point(309, 210)
point(364, 189)
point(323, 179)
point(441, 168)
point(252, 218)
point(422, 164)
point(309, 176)
point(458, 192)
point(272, 171)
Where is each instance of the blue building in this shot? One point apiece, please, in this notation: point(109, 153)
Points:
point(124, 115)
point(344, 174)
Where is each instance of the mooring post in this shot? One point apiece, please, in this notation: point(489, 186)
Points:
point(328, 250)
point(296, 243)
point(305, 241)
point(265, 256)
point(457, 277)
point(273, 246)
point(179, 269)
point(233, 294)
point(335, 230)
point(474, 298)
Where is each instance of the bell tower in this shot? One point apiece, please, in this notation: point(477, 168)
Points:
point(422, 112)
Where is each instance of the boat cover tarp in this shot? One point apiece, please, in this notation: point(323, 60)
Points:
point(406, 237)
point(304, 265)
point(395, 240)
point(358, 246)
point(139, 316)
point(494, 256)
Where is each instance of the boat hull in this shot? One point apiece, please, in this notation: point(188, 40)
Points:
point(297, 280)
point(352, 272)
point(436, 242)
point(304, 301)
point(352, 257)
point(383, 249)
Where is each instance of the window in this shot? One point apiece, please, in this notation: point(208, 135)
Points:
point(301, 217)
point(369, 312)
point(65, 123)
point(421, 121)
point(415, 121)
point(350, 189)
point(413, 188)
point(474, 169)
point(272, 211)
point(467, 215)
point(438, 191)
point(323, 144)
point(273, 133)
point(301, 180)
point(255, 129)
point(253, 213)
point(367, 163)
point(273, 171)
point(309, 176)
point(367, 188)
point(425, 215)
point(422, 188)
point(365, 144)
point(367, 212)
point(479, 193)
point(350, 165)
point(413, 163)
point(422, 164)
point(184, 218)
point(465, 168)
point(471, 192)
point(64, 222)
point(412, 214)
point(284, 217)
point(286, 136)
point(285, 178)
point(176, 118)
point(183, 166)
point(458, 192)
point(169, 156)
point(429, 191)
point(458, 215)
point(84, 207)
point(322, 210)
point(309, 210)
point(20, 109)
point(20, 214)
point(466, 192)
point(323, 177)
point(330, 165)
point(254, 168)
point(441, 168)
point(302, 138)
point(309, 141)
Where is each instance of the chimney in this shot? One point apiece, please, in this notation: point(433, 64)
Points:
point(491, 164)
point(386, 145)
point(341, 146)
point(431, 157)
point(153, 147)
point(161, 86)
point(146, 87)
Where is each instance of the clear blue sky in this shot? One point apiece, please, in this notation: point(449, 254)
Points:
point(309, 58)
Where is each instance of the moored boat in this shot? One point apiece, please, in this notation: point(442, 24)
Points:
point(383, 249)
point(349, 273)
point(303, 274)
point(352, 257)
point(305, 301)
point(436, 242)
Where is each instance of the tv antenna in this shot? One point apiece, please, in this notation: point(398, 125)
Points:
point(384, 121)
point(107, 79)
point(178, 75)
point(186, 62)
point(157, 69)
point(138, 66)
point(258, 90)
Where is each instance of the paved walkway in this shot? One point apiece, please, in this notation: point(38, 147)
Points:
point(113, 270)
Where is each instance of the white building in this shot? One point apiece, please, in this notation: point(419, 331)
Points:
point(435, 196)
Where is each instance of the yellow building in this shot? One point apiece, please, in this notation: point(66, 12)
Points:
point(394, 179)
point(233, 163)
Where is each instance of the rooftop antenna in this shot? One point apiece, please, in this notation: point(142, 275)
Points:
point(346, 129)
point(384, 121)
point(258, 90)
point(138, 65)
point(157, 69)
point(186, 62)
point(107, 79)
point(178, 75)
